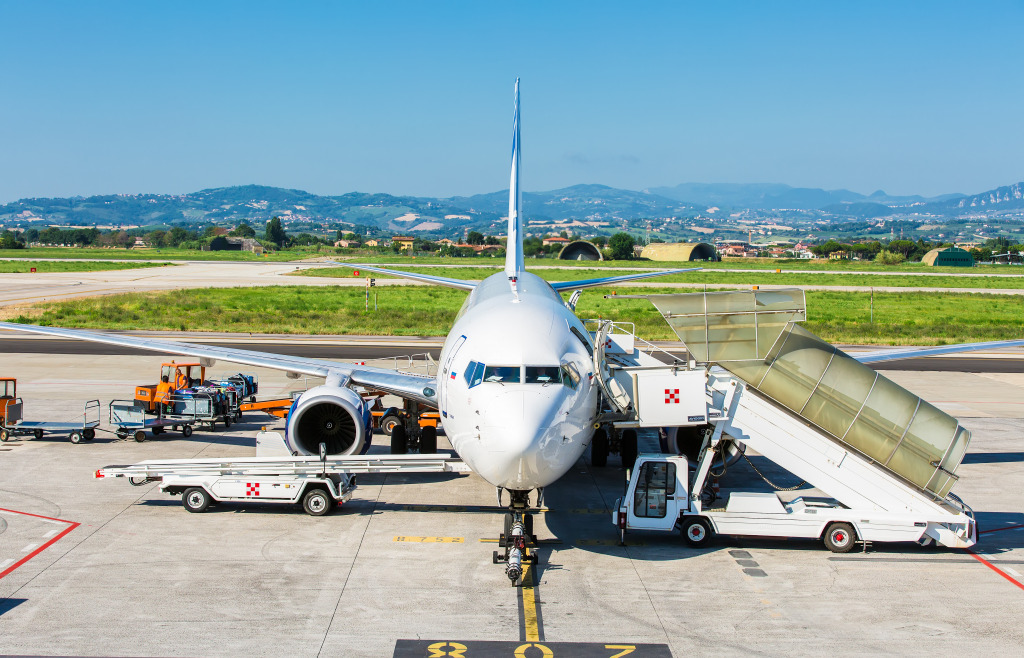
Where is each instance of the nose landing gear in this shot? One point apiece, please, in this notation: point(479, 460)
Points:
point(518, 538)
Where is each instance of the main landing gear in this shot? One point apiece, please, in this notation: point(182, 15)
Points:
point(518, 538)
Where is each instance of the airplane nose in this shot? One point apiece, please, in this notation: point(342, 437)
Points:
point(516, 428)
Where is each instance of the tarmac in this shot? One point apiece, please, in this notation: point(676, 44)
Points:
point(118, 570)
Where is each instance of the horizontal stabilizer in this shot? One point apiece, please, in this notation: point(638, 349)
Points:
point(415, 276)
point(590, 283)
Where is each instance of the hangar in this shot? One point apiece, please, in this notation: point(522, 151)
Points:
point(679, 251)
point(949, 257)
point(580, 250)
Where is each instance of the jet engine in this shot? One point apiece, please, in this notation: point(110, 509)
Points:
point(334, 415)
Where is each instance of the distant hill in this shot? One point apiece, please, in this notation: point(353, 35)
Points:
point(769, 196)
point(1008, 197)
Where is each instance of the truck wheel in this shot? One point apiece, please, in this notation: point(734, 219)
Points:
point(599, 448)
point(696, 531)
point(399, 440)
point(75, 437)
point(388, 423)
point(158, 430)
point(186, 431)
point(195, 499)
point(428, 440)
point(317, 502)
point(840, 538)
point(139, 436)
point(4, 435)
point(628, 449)
point(121, 434)
point(227, 422)
point(89, 434)
point(38, 434)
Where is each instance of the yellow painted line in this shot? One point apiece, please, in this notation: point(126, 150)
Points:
point(432, 540)
point(529, 602)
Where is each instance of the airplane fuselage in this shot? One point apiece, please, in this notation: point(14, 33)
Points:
point(515, 386)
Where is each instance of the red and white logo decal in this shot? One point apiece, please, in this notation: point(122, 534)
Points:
point(252, 488)
point(671, 395)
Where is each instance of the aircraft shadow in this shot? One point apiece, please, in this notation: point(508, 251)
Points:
point(6, 605)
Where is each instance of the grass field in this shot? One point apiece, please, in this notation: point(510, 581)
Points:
point(910, 318)
point(157, 254)
point(712, 277)
point(18, 267)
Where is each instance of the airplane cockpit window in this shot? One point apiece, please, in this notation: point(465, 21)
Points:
point(502, 374)
point(543, 375)
point(471, 368)
point(570, 376)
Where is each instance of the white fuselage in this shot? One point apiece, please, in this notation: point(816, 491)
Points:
point(515, 386)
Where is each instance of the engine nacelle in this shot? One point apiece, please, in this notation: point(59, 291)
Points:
point(334, 415)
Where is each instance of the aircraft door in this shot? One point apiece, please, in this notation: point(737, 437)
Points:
point(448, 376)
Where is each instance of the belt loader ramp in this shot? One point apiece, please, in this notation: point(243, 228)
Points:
point(885, 459)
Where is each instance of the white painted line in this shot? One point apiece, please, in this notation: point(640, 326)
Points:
point(51, 533)
point(6, 563)
point(1016, 575)
point(29, 548)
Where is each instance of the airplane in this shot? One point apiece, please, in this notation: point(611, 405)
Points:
point(515, 389)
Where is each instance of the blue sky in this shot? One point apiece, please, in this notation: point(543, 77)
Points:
point(416, 98)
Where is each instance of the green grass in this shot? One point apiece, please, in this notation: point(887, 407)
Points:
point(18, 267)
point(159, 254)
point(712, 277)
point(910, 318)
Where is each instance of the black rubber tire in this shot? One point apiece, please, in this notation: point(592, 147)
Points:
point(599, 448)
point(227, 422)
point(38, 434)
point(186, 431)
point(89, 434)
point(389, 422)
point(157, 430)
point(139, 436)
point(75, 437)
point(508, 524)
point(528, 525)
point(195, 499)
point(696, 531)
point(428, 440)
point(840, 537)
point(628, 449)
point(4, 435)
point(238, 415)
point(121, 434)
point(317, 502)
point(399, 441)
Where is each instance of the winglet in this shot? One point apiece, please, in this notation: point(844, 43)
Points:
point(514, 264)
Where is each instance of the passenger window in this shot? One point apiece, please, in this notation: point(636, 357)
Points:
point(543, 375)
point(657, 481)
point(571, 377)
point(502, 374)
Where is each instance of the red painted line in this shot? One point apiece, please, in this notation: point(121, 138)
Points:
point(71, 526)
point(1012, 527)
point(994, 568)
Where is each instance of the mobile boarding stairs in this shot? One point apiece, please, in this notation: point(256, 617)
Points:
point(880, 459)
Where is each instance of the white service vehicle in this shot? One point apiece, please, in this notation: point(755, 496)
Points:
point(274, 476)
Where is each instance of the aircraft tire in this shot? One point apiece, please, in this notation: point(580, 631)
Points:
point(599, 448)
point(399, 440)
point(428, 441)
point(628, 450)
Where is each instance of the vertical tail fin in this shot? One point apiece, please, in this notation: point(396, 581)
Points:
point(514, 249)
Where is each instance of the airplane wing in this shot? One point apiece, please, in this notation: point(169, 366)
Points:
point(590, 283)
point(894, 355)
point(425, 278)
point(415, 387)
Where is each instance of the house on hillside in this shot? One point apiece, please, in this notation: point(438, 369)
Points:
point(347, 243)
point(555, 240)
point(404, 242)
